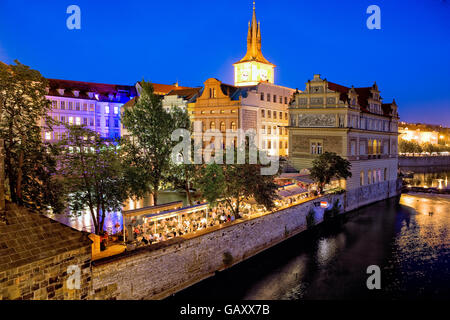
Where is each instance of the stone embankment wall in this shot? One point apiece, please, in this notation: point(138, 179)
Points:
point(160, 270)
point(431, 161)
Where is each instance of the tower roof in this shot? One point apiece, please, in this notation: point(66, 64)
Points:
point(254, 41)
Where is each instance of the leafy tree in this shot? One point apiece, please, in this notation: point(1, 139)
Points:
point(409, 147)
point(149, 146)
point(240, 182)
point(30, 165)
point(327, 166)
point(93, 174)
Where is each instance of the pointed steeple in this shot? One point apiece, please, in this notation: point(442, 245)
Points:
point(254, 41)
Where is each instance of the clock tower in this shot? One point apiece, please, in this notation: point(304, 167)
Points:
point(253, 68)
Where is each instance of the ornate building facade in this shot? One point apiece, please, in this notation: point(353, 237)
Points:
point(94, 105)
point(352, 122)
point(253, 102)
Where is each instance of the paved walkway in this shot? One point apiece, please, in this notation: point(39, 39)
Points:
point(110, 251)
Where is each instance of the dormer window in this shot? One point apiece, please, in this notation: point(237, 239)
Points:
point(76, 93)
point(90, 94)
point(110, 96)
point(61, 92)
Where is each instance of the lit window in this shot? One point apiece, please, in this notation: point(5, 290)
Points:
point(78, 121)
point(106, 109)
point(70, 120)
point(91, 107)
point(222, 126)
point(361, 178)
point(116, 110)
point(48, 136)
point(233, 126)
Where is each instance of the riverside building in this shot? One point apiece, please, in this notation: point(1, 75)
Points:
point(352, 122)
point(253, 102)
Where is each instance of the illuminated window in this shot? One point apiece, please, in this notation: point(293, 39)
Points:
point(233, 126)
point(48, 136)
point(319, 148)
point(263, 129)
point(269, 130)
point(369, 177)
point(78, 121)
point(106, 109)
point(91, 107)
point(361, 178)
point(116, 110)
point(70, 120)
point(222, 126)
point(212, 125)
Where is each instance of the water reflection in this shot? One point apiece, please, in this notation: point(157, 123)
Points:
point(438, 180)
point(411, 246)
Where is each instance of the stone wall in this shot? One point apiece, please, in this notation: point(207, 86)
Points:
point(424, 161)
point(158, 271)
point(35, 253)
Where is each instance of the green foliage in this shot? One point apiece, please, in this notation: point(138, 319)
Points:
point(327, 166)
point(30, 164)
point(93, 175)
point(212, 183)
point(149, 147)
point(409, 147)
point(240, 182)
point(227, 258)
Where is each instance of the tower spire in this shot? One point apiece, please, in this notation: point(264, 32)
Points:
point(254, 40)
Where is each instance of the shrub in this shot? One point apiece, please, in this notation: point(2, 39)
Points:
point(227, 258)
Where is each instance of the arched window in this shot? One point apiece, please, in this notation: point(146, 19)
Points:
point(233, 126)
point(212, 125)
point(361, 178)
point(369, 177)
point(222, 126)
point(385, 174)
point(269, 130)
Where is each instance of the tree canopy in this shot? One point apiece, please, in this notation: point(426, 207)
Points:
point(30, 164)
point(327, 166)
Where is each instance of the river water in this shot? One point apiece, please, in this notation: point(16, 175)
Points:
point(408, 239)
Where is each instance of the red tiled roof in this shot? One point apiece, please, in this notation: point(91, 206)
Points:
point(185, 93)
point(103, 90)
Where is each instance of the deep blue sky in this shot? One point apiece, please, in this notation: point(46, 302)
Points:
point(189, 41)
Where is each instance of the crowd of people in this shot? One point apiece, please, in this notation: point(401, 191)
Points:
point(143, 230)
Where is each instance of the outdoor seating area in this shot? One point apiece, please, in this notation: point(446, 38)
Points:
point(143, 228)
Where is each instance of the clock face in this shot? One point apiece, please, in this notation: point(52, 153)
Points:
point(263, 75)
point(244, 75)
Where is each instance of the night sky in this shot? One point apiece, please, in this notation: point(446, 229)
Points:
point(189, 41)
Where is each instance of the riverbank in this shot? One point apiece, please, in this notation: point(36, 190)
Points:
point(156, 272)
point(329, 262)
